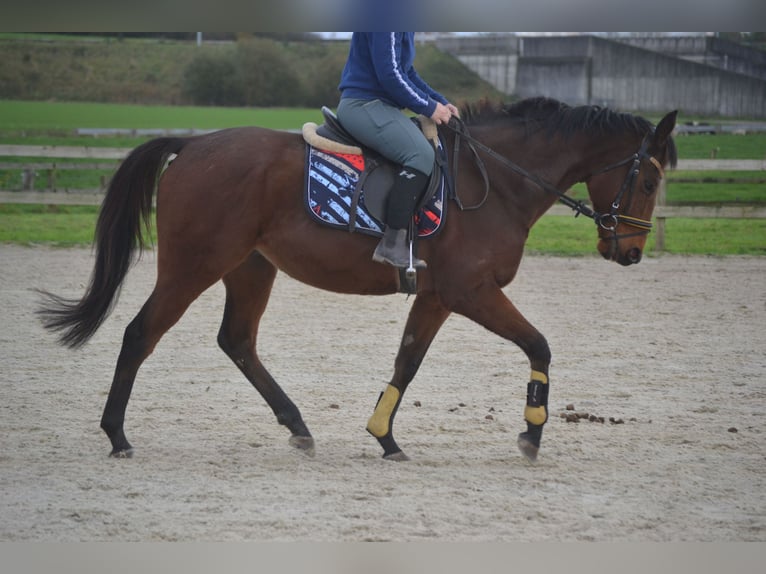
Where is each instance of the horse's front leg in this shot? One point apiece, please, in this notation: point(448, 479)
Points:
point(426, 316)
point(489, 307)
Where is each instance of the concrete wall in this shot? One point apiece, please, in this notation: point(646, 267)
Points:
point(593, 70)
point(638, 79)
point(717, 52)
point(566, 79)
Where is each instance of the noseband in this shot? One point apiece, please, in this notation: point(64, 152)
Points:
point(608, 221)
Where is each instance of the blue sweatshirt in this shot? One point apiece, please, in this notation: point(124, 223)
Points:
point(379, 66)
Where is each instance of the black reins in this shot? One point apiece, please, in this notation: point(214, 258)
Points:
point(607, 221)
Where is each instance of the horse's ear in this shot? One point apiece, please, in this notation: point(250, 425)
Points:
point(665, 128)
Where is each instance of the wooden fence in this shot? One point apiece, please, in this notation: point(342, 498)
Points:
point(94, 196)
point(663, 211)
point(31, 170)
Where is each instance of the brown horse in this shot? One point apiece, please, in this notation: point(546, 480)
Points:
point(229, 207)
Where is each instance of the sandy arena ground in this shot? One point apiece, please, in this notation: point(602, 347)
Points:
point(674, 347)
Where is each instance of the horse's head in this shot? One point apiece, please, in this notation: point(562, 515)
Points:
point(624, 194)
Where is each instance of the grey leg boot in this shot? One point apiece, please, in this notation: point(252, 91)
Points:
point(394, 247)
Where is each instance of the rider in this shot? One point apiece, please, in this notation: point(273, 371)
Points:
point(377, 82)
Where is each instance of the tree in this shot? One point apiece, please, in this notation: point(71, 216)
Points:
point(265, 74)
point(212, 79)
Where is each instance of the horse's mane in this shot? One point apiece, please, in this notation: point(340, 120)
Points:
point(556, 117)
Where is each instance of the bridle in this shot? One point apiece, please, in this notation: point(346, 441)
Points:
point(607, 221)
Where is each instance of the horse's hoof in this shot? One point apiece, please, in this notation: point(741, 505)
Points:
point(527, 448)
point(123, 453)
point(304, 443)
point(396, 456)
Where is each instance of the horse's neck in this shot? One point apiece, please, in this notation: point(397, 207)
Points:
point(557, 161)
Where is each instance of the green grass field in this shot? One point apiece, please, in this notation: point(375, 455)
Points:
point(20, 121)
point(558, 235)
point(722, 146)
point(59, 225)
point(66, 226)
point(62, 118)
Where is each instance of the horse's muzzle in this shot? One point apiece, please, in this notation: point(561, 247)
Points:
point(609, 252)
point(630, 257)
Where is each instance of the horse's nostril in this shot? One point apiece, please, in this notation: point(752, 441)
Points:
point(634, 255)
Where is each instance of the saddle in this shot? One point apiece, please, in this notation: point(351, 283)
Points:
point(362, 179)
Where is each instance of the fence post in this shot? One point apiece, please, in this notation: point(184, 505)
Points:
point(52, 178)
point(28, 179)
point(659, 238)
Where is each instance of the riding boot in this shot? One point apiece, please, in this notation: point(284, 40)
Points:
point(393, 248)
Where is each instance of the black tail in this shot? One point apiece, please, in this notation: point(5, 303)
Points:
point(124, 218)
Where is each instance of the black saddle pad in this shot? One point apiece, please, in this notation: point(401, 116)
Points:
point(331, 179)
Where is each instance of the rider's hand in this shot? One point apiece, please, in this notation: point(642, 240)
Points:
point(453, 110)
point(442, 114)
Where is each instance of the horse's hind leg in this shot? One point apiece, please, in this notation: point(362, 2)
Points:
point(247, 292)
point(160, 312)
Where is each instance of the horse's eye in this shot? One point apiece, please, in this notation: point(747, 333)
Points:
point(649, 187)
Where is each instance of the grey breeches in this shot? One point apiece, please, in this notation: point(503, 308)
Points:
point(387, 130)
